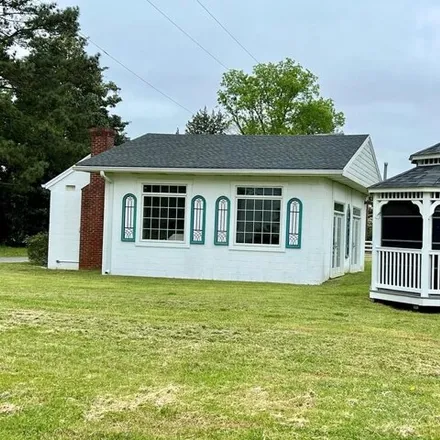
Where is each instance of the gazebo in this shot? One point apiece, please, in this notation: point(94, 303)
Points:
point(406, 233)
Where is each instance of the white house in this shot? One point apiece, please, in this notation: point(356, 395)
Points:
point(406, 233)
point(251, 208)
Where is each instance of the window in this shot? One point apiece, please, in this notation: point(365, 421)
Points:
point(339, 207)
point(347, 232)
point(402, 225)
point(294, 224)
point(128, 229)
point(198, 209)
point(163, 216)
point(258, 215)
point(222, 209)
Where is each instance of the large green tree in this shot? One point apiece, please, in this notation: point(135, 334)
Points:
point(282, 98)
point(204, 122)
point(51, 93)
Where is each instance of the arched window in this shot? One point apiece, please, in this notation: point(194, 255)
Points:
point(198, 214)
point(222, 213)
point(128, 229)
point(294, 224)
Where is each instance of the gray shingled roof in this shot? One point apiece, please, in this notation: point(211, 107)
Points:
point(435, 149)
point(418, 177)
point(318, 152)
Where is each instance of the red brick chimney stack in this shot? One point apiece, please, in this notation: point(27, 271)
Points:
point(92, 205)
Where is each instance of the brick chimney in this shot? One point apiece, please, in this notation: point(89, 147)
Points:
point(92, 205)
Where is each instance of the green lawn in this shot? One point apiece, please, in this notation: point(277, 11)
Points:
point(6, 251)
point(84, 356)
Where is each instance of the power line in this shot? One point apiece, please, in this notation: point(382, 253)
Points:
point(186, 33)
point(226, 30)
point(135, 74)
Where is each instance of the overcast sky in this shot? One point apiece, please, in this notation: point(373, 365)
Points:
point(378, 60)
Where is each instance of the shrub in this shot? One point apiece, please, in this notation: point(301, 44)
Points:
point(38, 246)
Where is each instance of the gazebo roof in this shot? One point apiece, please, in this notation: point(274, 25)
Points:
point(417, 177)
point(430, 151)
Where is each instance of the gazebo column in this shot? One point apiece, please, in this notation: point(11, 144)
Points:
point(426, 244)
point(377, 236)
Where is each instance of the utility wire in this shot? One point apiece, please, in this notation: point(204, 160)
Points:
point(186, 33)
point(225, 29)
point(135, 74)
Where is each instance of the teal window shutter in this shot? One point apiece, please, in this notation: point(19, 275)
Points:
point(198, 218)
point(222, 216)
point(294, 224)
point(128, 225)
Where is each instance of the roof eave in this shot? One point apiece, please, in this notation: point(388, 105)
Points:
point(209, 171)
point(404, 189)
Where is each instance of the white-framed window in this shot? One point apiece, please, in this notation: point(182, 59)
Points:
point(163, 212)
point(258, 215)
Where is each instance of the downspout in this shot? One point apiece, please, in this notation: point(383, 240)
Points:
point(108, 223)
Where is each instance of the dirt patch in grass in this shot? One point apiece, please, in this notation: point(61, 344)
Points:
point(158, 397)
point(9, 408)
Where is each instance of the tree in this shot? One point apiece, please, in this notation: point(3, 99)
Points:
point(280, 98)
point(51, 93)
point(205, 123)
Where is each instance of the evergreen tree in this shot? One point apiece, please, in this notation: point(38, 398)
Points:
point(204, 122)
point(51, 93)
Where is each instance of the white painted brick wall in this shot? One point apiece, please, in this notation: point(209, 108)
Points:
point(64, 223)
point(308, 265)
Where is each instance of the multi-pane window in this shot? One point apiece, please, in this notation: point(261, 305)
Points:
point(128, 229)
point(258, 215)
point(198, 210)
point(164, 212)
point(294, 223)
point(222, 209)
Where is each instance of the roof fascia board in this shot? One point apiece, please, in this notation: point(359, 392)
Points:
point(213, 171)
point(404, 189)
point(424, 156)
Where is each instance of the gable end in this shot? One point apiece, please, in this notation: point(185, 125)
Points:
point(362, 167)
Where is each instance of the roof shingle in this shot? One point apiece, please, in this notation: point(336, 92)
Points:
point(417, 177)
point(317, 152)
point(435, 149)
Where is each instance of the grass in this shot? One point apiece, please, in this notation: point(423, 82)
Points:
point(84, 356)
point(7, 251)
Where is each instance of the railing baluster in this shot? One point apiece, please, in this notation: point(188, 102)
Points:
point(393, 278)
point(387, 269)
point(437, 258)
point(414, 271)
point(405, 265)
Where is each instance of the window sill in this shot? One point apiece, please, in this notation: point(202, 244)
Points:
point(257, 249)
point(155, 244)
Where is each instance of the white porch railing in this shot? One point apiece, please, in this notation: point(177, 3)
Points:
point(399, 269)
point(434, 271)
